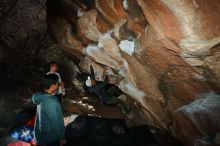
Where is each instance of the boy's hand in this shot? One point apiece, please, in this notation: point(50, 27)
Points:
point(63, 93)
point(62, 142)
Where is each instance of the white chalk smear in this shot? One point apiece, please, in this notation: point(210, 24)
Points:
point(127, 46)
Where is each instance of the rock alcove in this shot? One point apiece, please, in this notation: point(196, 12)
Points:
point(163, 54)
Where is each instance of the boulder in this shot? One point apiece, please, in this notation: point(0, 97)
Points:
point(164, 55)
point(101, 72)
point(65, 39)
point(87, 24)
point(112, 10)
point(106, 52)
point(196, 116)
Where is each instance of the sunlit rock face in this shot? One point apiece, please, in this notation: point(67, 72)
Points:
point(164, 54)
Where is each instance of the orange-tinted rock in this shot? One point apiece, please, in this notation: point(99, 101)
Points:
point(87, 24)
point(102, 25)
point(121, 30)
point(212, 63)
point(174, 59)
point(199, 118)
point(161, 19)
point(112, 10)
point(181, 127)
point(136, 22)
point(136, 26)
point(63, 36)
point(101, 72)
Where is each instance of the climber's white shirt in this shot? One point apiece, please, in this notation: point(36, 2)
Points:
point(59, 90)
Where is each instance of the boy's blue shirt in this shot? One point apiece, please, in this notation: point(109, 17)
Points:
point(49, 124)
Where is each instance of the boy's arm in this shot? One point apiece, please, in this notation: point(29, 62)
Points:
point(61, 83)
point(62, 87)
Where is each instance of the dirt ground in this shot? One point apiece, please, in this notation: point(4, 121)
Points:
point(93, 107)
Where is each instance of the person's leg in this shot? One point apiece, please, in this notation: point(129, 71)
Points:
point(114, 91)
point(55, 143)
point(112, 100)
point(125, 109)
point(118, 102)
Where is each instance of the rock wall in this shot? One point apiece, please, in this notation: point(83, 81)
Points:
point(164, 54)
point(23, 35)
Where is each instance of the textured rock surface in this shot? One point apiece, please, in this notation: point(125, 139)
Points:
point(169, 70)
point(23, 35)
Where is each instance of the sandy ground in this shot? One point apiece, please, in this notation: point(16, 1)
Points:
point(93, 107)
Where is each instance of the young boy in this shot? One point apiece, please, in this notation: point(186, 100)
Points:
point(49, 127)
point(61, 90)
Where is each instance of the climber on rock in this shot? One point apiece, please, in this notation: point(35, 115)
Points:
point(49, 127)
point(107, 96)
point(60, 92)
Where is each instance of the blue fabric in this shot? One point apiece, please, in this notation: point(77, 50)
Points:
point(49, 124)
point(24, 133)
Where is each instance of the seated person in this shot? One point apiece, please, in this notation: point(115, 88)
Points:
point(107, 95)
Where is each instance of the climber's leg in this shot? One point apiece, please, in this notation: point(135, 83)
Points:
point(116, 101)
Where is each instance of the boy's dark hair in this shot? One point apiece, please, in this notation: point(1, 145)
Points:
point(49, 80)
point(52, 63)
